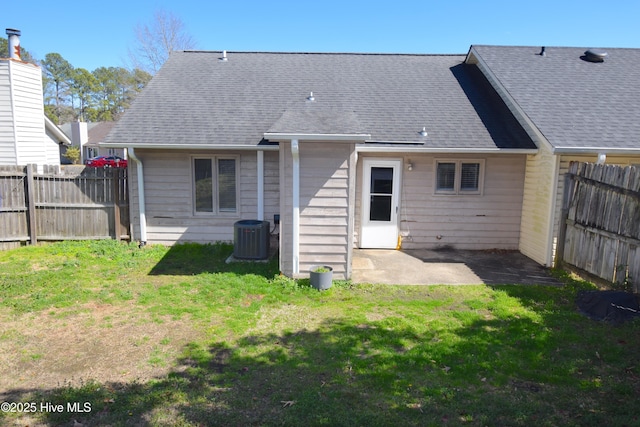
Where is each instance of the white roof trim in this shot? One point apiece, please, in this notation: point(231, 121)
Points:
point(359, 148)
point(423, 149)
point(597, 150)
point(55, 130)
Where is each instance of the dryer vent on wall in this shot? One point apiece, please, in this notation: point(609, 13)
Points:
point(251, 239)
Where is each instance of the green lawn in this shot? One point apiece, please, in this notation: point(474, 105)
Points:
point(261, 349)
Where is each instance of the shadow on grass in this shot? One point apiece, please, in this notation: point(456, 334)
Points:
point(543, 364)
point(194, 258)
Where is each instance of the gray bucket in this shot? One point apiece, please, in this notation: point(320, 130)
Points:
point(323, 279)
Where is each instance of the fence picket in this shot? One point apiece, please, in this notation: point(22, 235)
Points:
point(59, 204)
point(603, 222)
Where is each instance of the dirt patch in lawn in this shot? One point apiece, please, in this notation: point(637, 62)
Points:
point(93, 342)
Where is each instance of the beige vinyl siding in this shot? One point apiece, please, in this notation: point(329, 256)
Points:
point(466, 221)
point(539, 188)
point(326, 210)
point(168, 180)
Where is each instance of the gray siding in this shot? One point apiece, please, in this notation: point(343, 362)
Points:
point(485, 221)
point(326, 206)
point(169, 196)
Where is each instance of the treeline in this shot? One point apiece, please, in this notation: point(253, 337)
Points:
point(72, 94)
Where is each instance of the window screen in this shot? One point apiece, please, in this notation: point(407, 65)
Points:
point(202, 169)
point(469, 177)
point(215, 185)
point(446, 176)
point(227, 185)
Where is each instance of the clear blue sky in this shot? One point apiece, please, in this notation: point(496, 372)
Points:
point(91, 34)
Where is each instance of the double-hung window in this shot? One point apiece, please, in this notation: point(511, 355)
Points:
point(459, 176)
point(215, 185)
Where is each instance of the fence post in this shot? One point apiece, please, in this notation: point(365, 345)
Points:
point(564, 213)
point(115, 178)
point(31, 204)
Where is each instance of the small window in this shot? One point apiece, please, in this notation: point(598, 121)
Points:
point(469, 176)
point(91, 152)
point(446, 176)
point(226, 185)
point(217, 195)
point(204, 185)
point(459, 176)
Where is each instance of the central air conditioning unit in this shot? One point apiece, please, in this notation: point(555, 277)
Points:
point(251, 239)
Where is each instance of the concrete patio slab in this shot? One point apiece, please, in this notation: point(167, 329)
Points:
point(447, 267)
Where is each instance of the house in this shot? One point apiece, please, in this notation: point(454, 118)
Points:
point(88, 136)
point(27, 136)
point(576, 104)
point(350, 150)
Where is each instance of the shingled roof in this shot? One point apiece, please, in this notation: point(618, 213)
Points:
point(576, 104)
point(197, 99)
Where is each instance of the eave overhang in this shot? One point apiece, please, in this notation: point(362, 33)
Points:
point(422, 149)
point(597, 150)
point(238, 147)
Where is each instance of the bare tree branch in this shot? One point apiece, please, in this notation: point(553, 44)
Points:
point(155, 41)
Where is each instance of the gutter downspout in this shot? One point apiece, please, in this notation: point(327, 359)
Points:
point(260, 172)
point(551, 237)
point(141, 202)
point(295, 154)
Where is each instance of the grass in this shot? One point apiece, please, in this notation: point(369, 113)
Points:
point(273, 351)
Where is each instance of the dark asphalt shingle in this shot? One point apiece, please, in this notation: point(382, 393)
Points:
point(198, 99)
point(574, 103)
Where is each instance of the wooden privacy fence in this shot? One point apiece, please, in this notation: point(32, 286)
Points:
point(71, 203)
point(600, 232)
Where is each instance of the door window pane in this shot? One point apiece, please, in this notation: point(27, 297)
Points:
point(227, 185)
point(381, 180)
point(203, 185)
point(380, 208)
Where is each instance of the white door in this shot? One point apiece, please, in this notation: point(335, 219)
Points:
point(380, 203)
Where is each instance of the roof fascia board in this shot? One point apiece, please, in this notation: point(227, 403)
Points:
point(529, 126)
point(597, 150)
point(328, 137)
point(191, 146)
point(387, 149)
point(55, 130)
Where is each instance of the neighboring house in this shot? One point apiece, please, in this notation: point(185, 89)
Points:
point(26, 135)
point(576, 105)
point(88, 136)
point(351, 150)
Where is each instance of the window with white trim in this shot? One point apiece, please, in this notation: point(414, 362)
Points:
point(215, 185)
point(91, 152)
point(459, 176)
